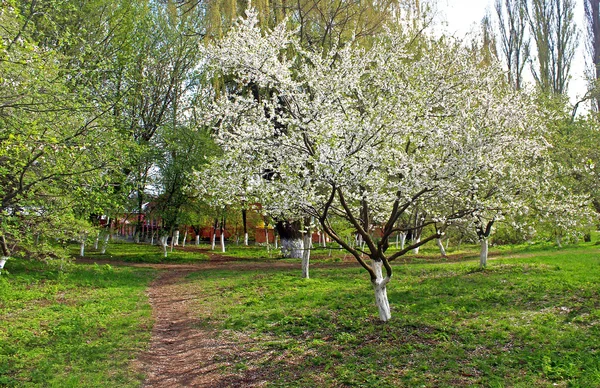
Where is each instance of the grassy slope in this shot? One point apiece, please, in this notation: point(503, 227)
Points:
point(80, 327)
point(530, 321)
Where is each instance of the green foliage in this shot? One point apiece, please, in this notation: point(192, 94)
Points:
point(77, 327)
point(525, 320)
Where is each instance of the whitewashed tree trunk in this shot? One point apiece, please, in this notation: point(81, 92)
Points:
point(3, 260)
point(246, 239)
point(152, 239)
point(214, 241)
point(197, 239)
point(163, 242)
point(105, 243)
point(416, 241)
point(82, 248)
point(267, 236)
point(559, 241)
point(483, 255)
point(402, 240)
point(276, 243)
point(176, 238)
point(306, 255)
point(223, 242)
point(380, 288)
point(96, 241)
point(292, 248)
point(440, 245)
point(184, 238)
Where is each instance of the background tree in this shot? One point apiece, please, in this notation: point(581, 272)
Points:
point(512, 34)
point(555, 34)
point(592, 17)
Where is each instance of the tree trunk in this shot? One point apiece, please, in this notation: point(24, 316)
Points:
point(214, 236)
point(176, 238)
point(292, 244)
point(245, 224)
point(306, 255)
point(82, 248)
point(96, 241)
point(558, 241)
point(380, 288)
point(223, 242)
point(105, 243)
point(402, 240)
point(197, 239)
point(438, 241)
point(416, 241)
point(184, 238)
point(483, 256)
point(5, 252)
point(163, 242)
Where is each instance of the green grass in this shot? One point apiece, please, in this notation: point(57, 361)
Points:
point(80, 327)
point(529, 321)
point(140, 253)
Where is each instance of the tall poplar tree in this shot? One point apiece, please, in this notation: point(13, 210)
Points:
point(555, 34)
point(514, 44)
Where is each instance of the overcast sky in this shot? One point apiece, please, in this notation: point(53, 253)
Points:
point(463, 16)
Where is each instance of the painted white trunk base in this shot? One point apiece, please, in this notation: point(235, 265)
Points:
point(380, 288)
point(441, 246)
point(416, 241)
point(163, 242)
point(483, 255)
point(223, 242)
point(246, 239)
point(176, 238)
point(82, 249)
point(214, 241)
point(105, 243)
point(197, 239)
point(2, 262)
point(292, 248)
point(184, 238)
point(306, 256)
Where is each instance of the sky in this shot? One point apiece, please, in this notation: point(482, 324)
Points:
point(463, 16)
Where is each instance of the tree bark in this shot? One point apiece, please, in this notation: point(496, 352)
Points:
point(176, 238)
point(438, 241)
point(214, 235)
point(292, 244)
point(380, 288)
point(416, 241)
point(483, 255)
point(306, 255)
point(105, 243)
point(163, 242)
point(245, 224)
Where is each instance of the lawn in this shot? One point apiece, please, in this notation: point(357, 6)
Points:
point(532, 318)
point(77, 327)
point(142, 253)
point(529, 320)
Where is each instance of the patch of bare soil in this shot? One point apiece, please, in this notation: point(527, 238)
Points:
point(182, 352)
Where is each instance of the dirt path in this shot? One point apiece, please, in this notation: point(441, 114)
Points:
point(182, 353)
